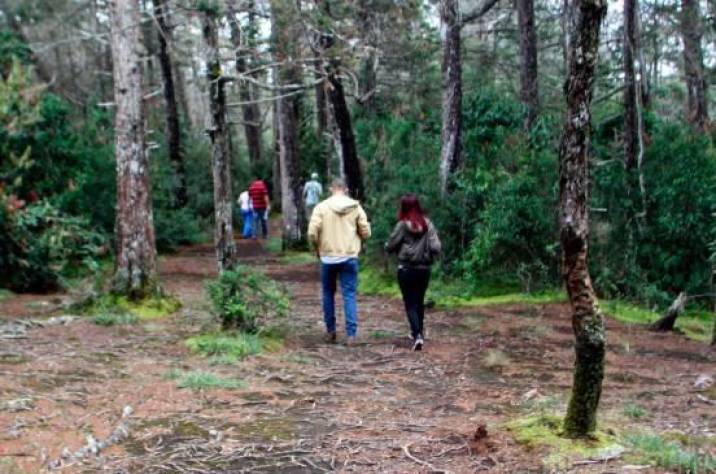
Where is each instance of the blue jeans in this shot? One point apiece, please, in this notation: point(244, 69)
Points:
point(248, 218)
point(260, 216)
point(347, 273)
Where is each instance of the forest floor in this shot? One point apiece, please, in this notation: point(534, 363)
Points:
point(488, 377)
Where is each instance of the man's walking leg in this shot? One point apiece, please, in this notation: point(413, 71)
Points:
point(328, 292)
point(349, 288)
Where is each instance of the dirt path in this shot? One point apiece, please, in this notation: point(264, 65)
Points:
point(314, 407)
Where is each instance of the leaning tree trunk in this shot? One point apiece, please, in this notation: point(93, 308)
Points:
point(136, 260)
point(284, 36)
point(667, 322)
point(587, 320)
point(691, 31)
point(529, 85)
point(450, 138)
point(164, 34)
point(321, 109)
point(249, 108)
point(221, 155)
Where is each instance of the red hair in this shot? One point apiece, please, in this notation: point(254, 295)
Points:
point(411, 212)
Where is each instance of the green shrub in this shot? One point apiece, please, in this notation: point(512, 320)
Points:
point(227, 347)
point(40, 247)
point(244, 297)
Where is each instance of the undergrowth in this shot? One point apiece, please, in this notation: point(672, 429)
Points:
point(114, 319)
point(198, 380)
point(231, 347)
point(669, 454)
point(147, 309)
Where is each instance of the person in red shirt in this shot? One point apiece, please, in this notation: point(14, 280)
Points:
point(258, 192)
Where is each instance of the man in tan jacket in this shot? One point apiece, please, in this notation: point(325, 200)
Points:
point(337, 228)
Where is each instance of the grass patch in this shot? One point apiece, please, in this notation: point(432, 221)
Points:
point(228, 348)
point(5, 294)
point(669, 454)
point(544, 431)
point(453, 294)
point(693, 323)
point(293, 257)
point(114, 319)
point(380, 334)
point(635, 412)
point(199, 380)
point(274, 245)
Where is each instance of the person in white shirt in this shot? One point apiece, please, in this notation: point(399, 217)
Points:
point(247, 214)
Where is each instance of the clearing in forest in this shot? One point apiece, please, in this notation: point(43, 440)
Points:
point(481, 397)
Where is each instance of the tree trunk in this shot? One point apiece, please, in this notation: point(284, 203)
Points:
point(666, 322)
point(631, 126)
point(285, 33)
point(587, 320)
point(529, 86)
point(344, 132)
point(691, 31)
point(221, 156)
point(164, 36)
point(450, 139)
point(321, 110)
point(136, 260)
point(250, 109)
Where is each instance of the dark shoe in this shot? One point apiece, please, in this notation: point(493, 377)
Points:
point(418, 344)
point(330, 338)
point(352, 341)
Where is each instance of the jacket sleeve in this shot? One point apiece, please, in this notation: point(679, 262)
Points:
point(363, 224)
point(395, 239)
point(315, 225)
point(434, 240)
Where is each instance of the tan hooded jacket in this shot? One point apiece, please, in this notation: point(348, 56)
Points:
point(337, 227)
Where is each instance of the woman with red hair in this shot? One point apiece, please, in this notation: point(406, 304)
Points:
point(415, 240)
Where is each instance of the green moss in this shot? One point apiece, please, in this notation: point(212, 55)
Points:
point(147, 309)
point(227, 348)
point(543, 432)
point(694, 324)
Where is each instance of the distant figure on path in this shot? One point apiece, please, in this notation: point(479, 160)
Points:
point(247, 214)
point(415, 240)
point(337, 228)
point(312, 192)
point(258, 192)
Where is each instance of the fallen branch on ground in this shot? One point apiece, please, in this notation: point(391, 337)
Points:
point(409, 455)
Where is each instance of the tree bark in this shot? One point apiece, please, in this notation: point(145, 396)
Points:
point(631, 126)
point(221, 156)
point(691, 31)
point(173, 133)
point(136, 261)
point(451, 134)
point(344, 132)
point(666, 322)
point(321, 109)
point(529, 85)
point(250, 110)
point(587, 319)
point(285, 26)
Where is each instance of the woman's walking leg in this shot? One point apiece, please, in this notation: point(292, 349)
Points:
point(405, 280)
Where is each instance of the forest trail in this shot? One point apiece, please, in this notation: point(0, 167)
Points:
point(313, 407)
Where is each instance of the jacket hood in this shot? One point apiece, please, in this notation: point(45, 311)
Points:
point(341, 204)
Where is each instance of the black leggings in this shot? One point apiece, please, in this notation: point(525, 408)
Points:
point(413, 284)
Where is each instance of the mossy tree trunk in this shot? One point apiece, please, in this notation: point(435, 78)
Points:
point(221, 150)
point(451, 134)
point(587, 320)
point(136, 260)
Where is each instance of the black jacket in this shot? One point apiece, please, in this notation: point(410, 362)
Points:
point(415, 248)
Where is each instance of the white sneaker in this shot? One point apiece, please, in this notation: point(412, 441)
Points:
point(418, 344)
